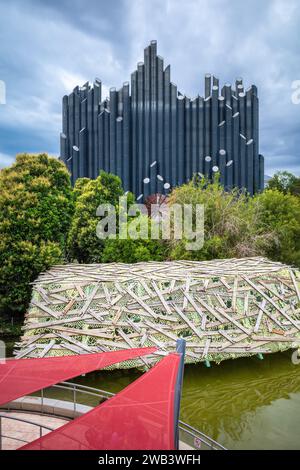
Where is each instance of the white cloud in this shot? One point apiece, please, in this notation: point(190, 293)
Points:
point(56, 48)
point(5, 160)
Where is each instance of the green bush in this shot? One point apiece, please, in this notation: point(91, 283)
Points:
point(35, 214)
point(280, 213)
point(83, 243)
point(285, 182)
point(231, 227)
point(133, 251)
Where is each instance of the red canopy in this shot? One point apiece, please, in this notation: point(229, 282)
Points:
point(139, 417)
point(19, 377)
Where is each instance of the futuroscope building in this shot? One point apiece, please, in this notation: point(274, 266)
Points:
point(154, 138)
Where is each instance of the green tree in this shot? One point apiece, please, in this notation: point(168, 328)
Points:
point(35, 215)
point(285, 182)
point(83, 243)
point(280, 213)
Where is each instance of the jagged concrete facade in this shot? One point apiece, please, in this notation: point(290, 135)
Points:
point(155, 138)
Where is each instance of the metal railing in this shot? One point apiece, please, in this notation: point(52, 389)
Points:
point(22, 420)
point(197, 439)
point(189, 435)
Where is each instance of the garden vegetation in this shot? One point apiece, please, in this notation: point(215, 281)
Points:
point(44, 221)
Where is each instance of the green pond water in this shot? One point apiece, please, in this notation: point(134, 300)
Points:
point(243, 404)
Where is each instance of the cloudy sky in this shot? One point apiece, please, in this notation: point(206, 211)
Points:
point(48, 47)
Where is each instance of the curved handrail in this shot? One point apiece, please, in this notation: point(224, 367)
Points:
point(183, 427)
point(195, 438)
point(196, 434)
point(27, 421)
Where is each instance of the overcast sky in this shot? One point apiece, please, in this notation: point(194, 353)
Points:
point(49, 47)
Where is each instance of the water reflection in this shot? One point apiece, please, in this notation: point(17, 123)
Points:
point(243, 403)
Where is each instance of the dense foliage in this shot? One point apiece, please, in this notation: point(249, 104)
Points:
point(280, 214)
point(285, 182)
point(35, 214)
point(231, 223)
point(83, 243)
point(43, 221)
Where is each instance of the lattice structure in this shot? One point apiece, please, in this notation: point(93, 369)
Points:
point(223, 308)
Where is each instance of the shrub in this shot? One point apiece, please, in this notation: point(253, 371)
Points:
point(134, 250)
point(285, 182)
point(280, 213)
point(231, 227)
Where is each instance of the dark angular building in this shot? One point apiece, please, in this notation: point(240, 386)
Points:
point(155, 138)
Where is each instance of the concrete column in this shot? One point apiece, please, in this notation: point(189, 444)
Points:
point(112, 128)
point(65, 125)
point(83, 157)
point(242, 111)
point(249, 166)
point(90, 101)
point(140, 128)
point(207, 125)
point(228, 131)
point(215, 81)
point(119, 148)
point(229, 175)
point(249, 133)
point(180, 134)
point(101, 147)
point(174, 134)
point(201, 143)
point(187, 141)
point(207, 85)
point(153, 146)
point(235, 104)
point(255, 130)
point(147, 110)
point(167, 126)
point(75, 160)
point(134, 131)
point(222, 165)
point(194, 142)
point(126, 161)
point(221, 101)
point(107, 118)
point(120, 102)
point(71, 123)
point(261, 173)
point(207, 166)
point(221, 132)
point(214, 124)
point(227, 93)
point(77, 119)
point(235, 148)
point(83, 110)
point(63, 147)
point(96, 106)
point(160, 117)
point(243, 167)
